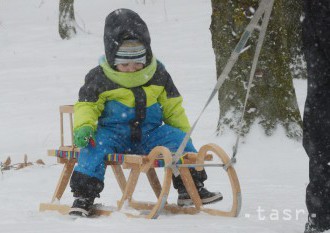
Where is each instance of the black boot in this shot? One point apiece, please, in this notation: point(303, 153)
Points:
point(85, 189)
point(206, 196)
point(82, 206)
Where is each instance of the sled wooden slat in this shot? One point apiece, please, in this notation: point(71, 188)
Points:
point(63, 180)
point(130, 186)
point(120, 177)
point(154, 181)
point(190, 187)
point(189, 158)
point(62, 129)
point(66, 109)
point(171, 208)
point(137, 164)
point(62, 209)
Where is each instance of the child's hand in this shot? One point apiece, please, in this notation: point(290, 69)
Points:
point(83, 135)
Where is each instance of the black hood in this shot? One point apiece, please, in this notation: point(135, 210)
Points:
point(124, 24)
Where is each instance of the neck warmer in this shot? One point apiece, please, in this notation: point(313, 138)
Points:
point(129, 80)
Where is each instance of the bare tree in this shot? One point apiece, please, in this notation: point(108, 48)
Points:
point(67, 22)
point(272, 99)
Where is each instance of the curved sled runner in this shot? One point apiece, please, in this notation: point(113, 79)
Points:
point(148, 168)
point(235, 186)
point(189, 184)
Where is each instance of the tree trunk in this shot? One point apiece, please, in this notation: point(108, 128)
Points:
point(272, 100)
point(67, 22)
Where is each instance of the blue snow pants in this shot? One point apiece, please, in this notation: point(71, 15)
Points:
point(91, 160)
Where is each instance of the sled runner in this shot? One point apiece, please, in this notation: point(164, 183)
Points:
point(159, 157)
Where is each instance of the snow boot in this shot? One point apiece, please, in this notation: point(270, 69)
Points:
point(199, 177)
point(206, 196)
point(85, 189)
point(81, 207)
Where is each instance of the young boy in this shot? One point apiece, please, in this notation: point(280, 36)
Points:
point(128, 104)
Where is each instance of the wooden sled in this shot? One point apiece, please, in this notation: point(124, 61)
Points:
point(158, 157)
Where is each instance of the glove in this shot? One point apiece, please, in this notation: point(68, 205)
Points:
point(83, 135)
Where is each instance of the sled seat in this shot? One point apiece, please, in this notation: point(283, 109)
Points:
point(159, 157)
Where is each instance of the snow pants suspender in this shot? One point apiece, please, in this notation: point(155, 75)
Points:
point(140, 113)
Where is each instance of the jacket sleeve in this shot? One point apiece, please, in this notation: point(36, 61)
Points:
point(89, 106)
point(171, 102)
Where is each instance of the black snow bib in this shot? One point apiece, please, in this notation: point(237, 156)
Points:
point(140, 114)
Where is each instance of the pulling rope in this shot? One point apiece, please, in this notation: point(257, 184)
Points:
point(268, 11)
point(265, 9)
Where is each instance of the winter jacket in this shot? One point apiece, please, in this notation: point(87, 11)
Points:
point(105, 101)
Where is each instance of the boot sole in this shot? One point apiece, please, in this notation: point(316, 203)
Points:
point(205, 201)
point(79, 212)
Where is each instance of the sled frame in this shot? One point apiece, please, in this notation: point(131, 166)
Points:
point(144, 164)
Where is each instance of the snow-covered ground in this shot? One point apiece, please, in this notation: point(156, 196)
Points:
point(39, 72)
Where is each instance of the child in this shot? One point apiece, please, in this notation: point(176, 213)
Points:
point(122, 107)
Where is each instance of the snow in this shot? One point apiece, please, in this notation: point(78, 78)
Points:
point(39, 72)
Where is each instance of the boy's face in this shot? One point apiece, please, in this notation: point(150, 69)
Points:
point(130, 67)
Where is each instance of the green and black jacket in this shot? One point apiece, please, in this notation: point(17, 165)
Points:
point(114, 99)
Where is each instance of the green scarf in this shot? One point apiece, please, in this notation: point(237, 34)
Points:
point(129, 80)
